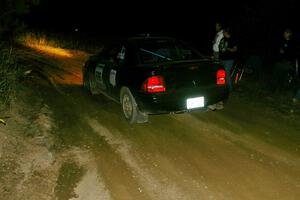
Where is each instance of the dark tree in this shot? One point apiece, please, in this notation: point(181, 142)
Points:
point(11, 12)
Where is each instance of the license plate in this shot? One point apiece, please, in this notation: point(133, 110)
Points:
point(197, 102)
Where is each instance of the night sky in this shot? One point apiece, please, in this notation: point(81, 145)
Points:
point(251, 20)
point(128, 16)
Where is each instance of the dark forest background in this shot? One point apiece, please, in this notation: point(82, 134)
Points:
point(257, 25)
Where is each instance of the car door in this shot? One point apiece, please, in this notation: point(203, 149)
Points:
point(99, 76)
point(112, 70)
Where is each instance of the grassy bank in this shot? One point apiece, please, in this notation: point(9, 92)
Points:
point(18, 56)
point(73, 41)
point(9, 74)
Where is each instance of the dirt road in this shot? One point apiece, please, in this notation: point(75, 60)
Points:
point(250, 150)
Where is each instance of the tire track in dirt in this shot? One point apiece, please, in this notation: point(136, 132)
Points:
point(250, 142)
point(253, 169)
point(91, 186)
point(156, 188)
point(66, 73)
point(226, 165)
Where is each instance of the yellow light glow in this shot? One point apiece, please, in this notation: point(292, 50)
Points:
point(41, 44)
point(52, 50)
point(68, 71)
point(67, 79)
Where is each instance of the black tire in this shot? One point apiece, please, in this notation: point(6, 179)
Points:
point(86, 81)
point(130, 108)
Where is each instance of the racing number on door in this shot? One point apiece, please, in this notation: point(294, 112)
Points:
point(99, 76)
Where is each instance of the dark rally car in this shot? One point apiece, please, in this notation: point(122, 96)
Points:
point(153, 75)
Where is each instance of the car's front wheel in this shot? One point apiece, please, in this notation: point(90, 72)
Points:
point(86, 81)
point(130, 108)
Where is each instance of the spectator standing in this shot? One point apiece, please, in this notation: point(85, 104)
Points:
point(286, 49)
point(285, 60)
point(218, 38)
point(227, 54)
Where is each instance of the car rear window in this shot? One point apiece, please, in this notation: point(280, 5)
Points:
point(163, 50)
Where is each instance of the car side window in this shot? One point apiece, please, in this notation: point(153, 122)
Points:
point(115, 54)
point(185, 53)
point(120, 58)
point(131, 55)
point(109, 52)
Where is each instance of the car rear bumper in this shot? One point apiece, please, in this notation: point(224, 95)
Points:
point(175, 101)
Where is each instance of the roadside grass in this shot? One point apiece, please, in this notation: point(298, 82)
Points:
point(40, 40)
point(9, 75)
point(69, 175)
point(37, 39)
point(17, 64)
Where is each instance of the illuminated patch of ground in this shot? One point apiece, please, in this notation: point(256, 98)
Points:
point(41, 43)
point(54, 51)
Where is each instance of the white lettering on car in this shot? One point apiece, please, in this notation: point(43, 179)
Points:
point(112, 77)
point(98, 74)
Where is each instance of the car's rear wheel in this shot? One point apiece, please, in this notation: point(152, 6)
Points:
point(130, 108)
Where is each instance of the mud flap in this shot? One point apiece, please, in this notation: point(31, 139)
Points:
point(142, 117)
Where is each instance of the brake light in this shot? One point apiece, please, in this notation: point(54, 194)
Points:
point(221, 77)
point(154, 84)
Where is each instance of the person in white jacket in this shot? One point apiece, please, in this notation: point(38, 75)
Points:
point(216, 42)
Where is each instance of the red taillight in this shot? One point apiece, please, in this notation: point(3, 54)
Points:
point(221, 77)
point(154, 84)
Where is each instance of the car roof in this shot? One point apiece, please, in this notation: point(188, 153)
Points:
point(135, 40)
point(140, 38)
